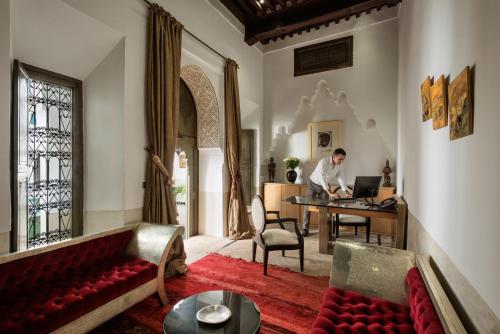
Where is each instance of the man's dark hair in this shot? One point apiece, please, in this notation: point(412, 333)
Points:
point(339, 151)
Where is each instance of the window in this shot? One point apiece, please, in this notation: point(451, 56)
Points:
point(47, 157)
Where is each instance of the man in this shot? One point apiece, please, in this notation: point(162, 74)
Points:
point(326, 171)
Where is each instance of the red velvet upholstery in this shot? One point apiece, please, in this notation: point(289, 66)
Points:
point(423, 313)
point(46, 291)
point(345, 311)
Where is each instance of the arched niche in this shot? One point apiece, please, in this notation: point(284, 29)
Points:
point(206, 105)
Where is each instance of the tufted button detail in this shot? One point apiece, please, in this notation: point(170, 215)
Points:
point(423, 312)
point(344, 311)
point(49, 290)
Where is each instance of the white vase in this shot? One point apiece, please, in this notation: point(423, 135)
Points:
point(299, 175)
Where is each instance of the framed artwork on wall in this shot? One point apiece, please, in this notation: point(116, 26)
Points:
point(425, 92)
point(439, 109)
point(324, 138)
point(460, 105)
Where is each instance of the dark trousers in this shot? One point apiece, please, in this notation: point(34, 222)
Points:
point(315, 191)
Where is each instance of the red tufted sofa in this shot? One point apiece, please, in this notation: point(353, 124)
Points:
point(379, 290)
point(75, 285)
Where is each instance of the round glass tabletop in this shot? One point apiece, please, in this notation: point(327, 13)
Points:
point(245, 315)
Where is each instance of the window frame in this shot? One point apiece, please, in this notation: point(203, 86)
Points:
point(77, 186)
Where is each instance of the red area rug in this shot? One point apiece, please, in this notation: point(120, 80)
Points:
point(289, 301)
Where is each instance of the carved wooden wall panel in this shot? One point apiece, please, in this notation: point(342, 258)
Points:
point(330, 55)
point(206, 105)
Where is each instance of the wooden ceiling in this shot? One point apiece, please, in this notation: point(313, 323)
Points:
point(267, 20)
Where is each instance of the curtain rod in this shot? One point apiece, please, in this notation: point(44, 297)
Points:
point(194, 36)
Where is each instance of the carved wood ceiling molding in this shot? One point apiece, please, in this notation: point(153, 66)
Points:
point(207, 107)
point(267, 20)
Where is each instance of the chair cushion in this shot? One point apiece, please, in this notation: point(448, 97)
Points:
point(43, 292)
point(423, 313)
point(344, 311)
point(351, 219)
point(274, 237)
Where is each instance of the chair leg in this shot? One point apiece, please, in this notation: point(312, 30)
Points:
point(368, 227)
point(337, 230)
point(301, 255)
point(379, 239)
point(283, 253)
point(355, 230)
point(266, 255)
point(254, 250)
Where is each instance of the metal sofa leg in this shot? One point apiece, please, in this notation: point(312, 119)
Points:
point(266, 256)
point(254, 251)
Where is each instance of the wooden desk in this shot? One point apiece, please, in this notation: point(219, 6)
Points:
point(323, 207)
point(275, 195)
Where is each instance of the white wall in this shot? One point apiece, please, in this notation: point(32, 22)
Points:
point(370, 87)
point(55, 36)
point(104, 138)
point(453, 187)
point(5, 91)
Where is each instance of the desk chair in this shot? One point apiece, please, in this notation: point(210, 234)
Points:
point(274, 239)
point(349, 220)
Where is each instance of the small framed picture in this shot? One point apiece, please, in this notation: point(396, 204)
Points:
point(425, 92)
point(438, 104)
point(460, 105)
point(324, 138)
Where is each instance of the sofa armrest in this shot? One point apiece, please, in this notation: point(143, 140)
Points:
point(447, 314)
point(153, 242)
point(373, 271)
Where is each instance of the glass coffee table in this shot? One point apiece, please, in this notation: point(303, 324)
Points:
point(245, 315)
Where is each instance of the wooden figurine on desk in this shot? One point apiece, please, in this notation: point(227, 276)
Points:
point(387, 170)
point(271, 168)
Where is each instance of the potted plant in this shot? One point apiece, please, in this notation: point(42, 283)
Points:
point(178, 192)
point(291, 163)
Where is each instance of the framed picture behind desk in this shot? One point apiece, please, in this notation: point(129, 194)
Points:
point(324, 138)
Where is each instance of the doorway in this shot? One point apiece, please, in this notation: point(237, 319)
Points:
point(187, 163)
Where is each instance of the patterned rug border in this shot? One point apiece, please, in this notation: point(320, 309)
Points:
point(274, 267)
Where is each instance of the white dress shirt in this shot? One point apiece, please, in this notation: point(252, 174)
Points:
point(326, 172)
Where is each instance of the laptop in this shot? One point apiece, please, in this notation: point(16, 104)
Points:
point(364, 186)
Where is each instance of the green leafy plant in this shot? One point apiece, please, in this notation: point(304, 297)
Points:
point(291, 162)
point(179, 190)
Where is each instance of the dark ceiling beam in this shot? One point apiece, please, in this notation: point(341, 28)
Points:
point(274, 5)
point(236, 11)
point(306, 17)
point(282, 4)
point(247, 9)
point(268, 6)
point(257, 7)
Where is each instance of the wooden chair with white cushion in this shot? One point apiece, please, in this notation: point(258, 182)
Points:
point(274, 239)
point(351, 221)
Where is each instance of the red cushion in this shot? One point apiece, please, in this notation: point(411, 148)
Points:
point(46, 291)
point(423, 313)
point(345, 311)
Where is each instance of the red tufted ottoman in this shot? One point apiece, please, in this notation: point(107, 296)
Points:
point(45, 291)
point(344, 311)
point(376, 289)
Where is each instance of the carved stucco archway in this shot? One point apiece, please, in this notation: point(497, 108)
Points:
point(207, 108)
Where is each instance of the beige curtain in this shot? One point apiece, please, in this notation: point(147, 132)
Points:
point(237, 217)
point(162, 110)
